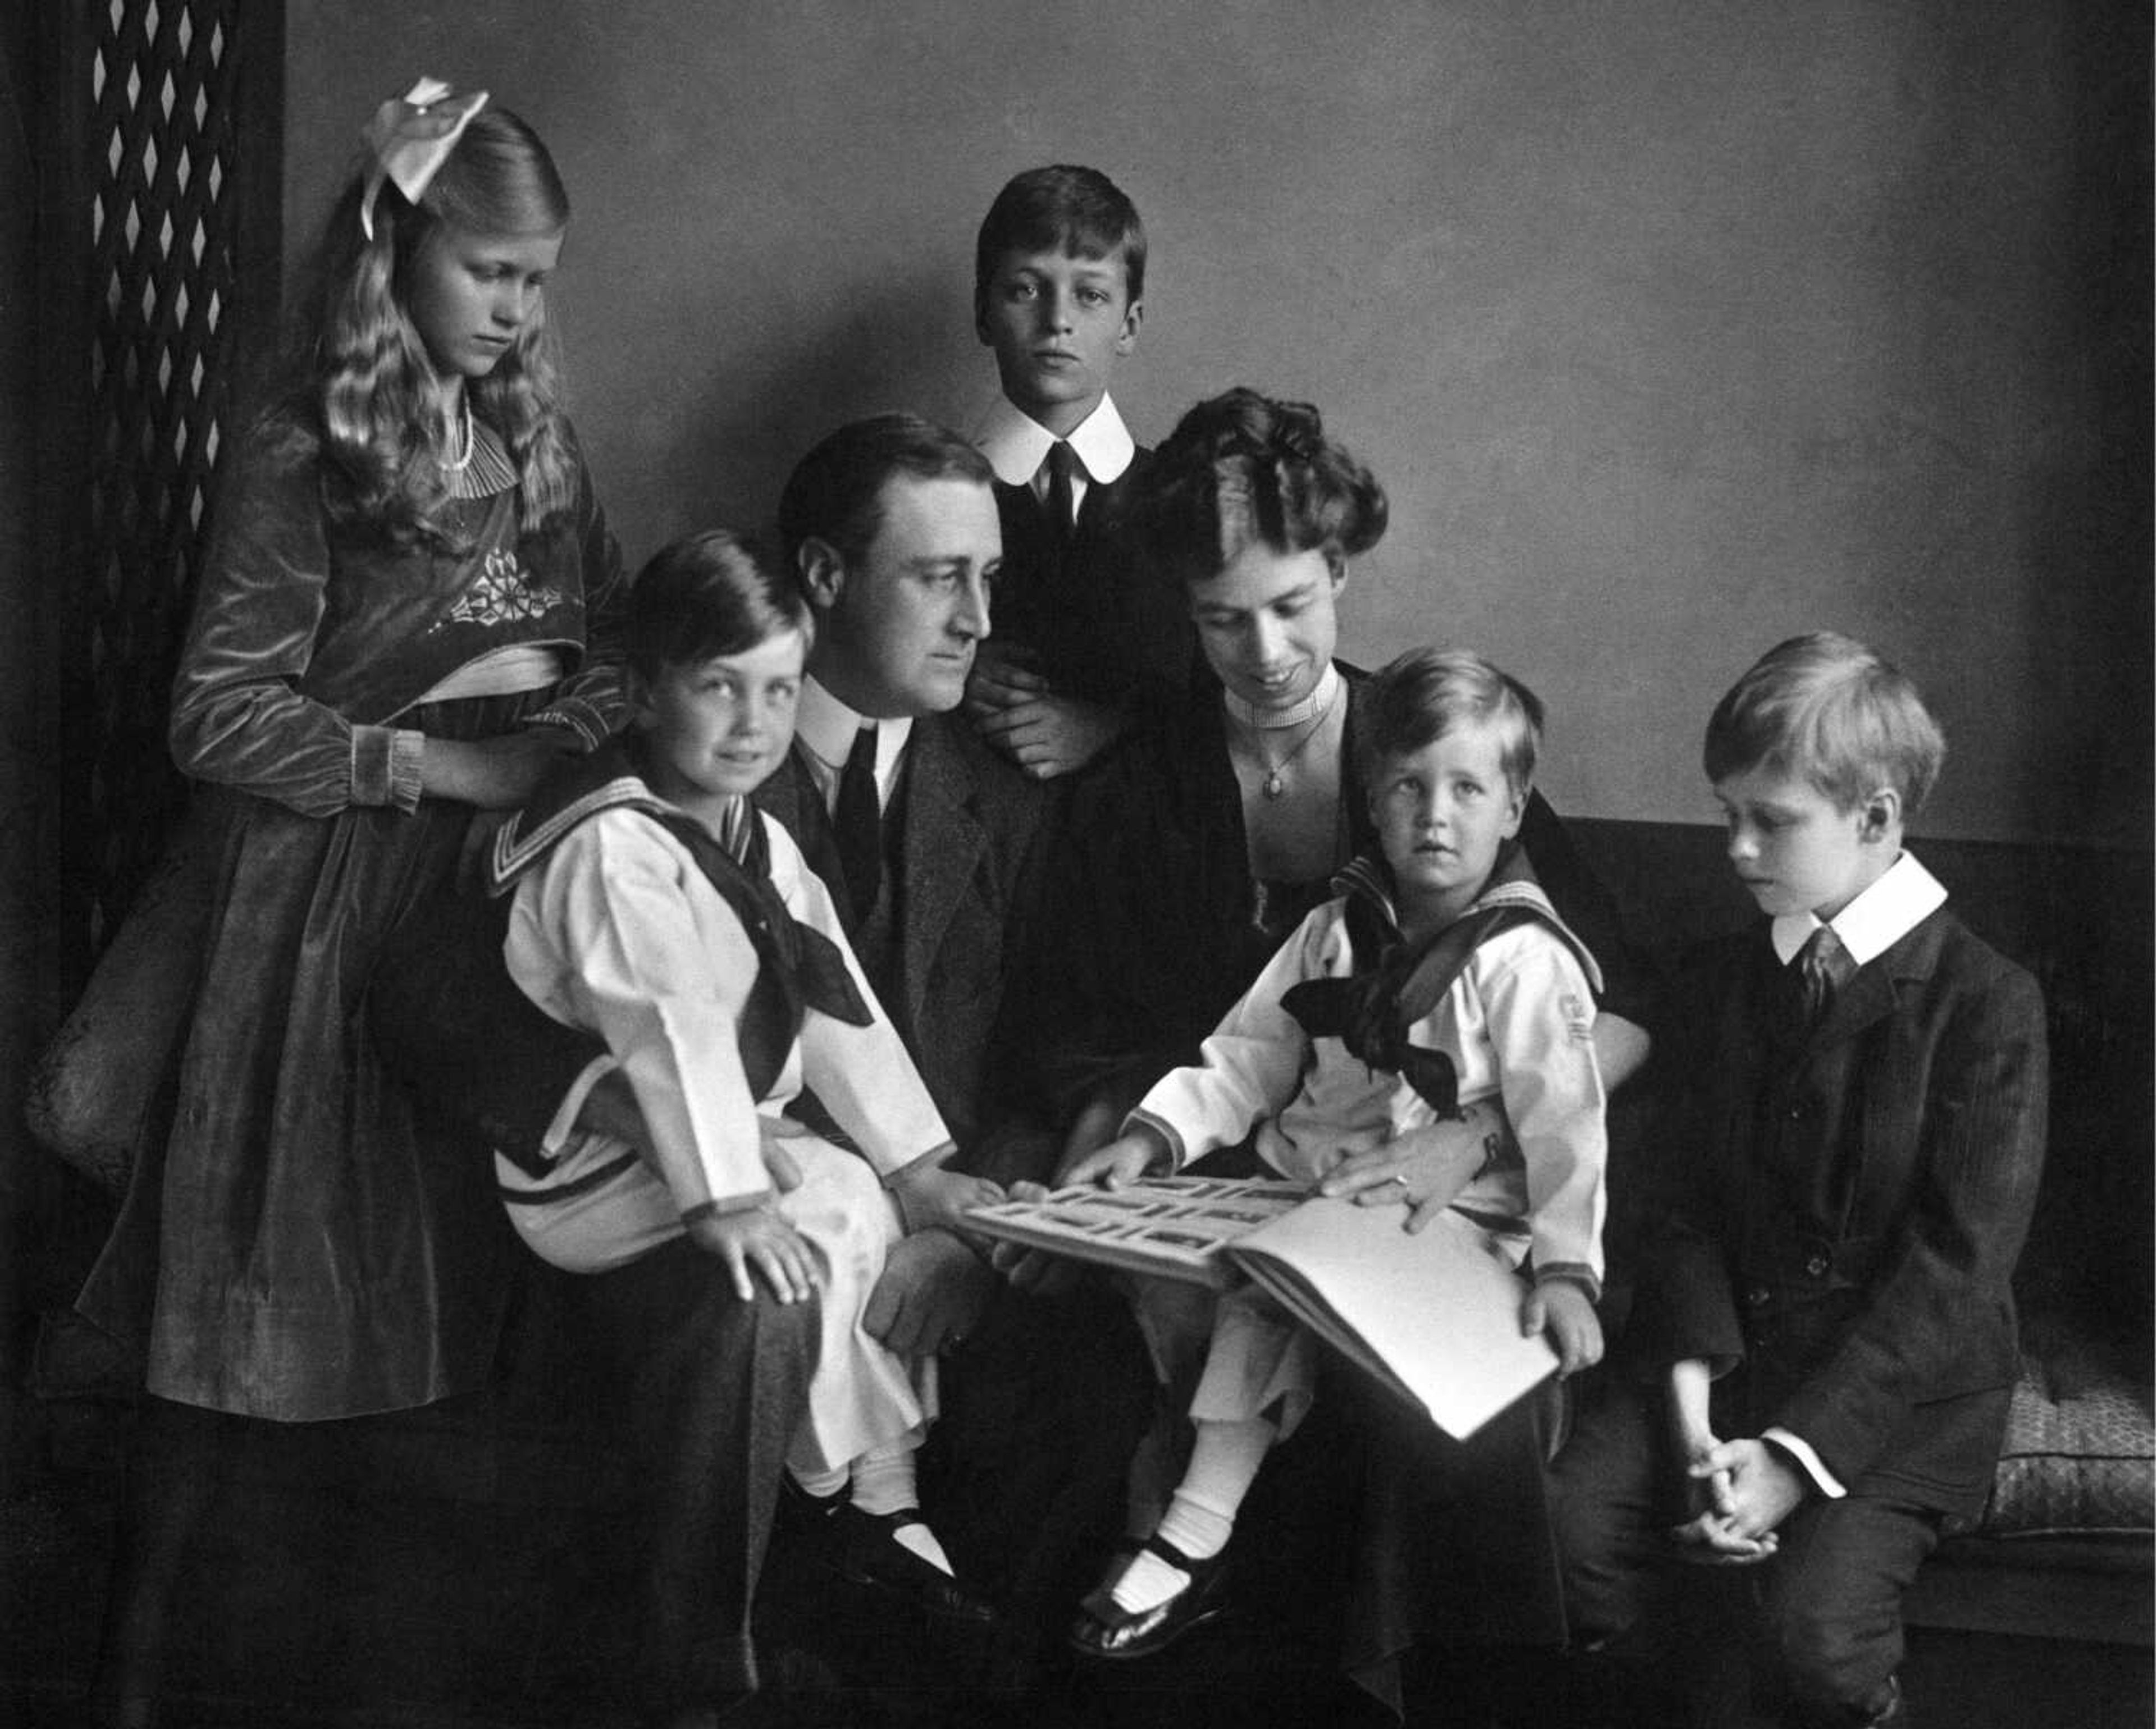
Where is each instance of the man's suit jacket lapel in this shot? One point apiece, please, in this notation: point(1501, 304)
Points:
point(940, 846)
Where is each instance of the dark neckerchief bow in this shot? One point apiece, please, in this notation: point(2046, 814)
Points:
point(1397, 983)
point(800, 968)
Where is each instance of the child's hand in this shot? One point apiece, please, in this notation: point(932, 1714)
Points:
point(1003, 677)
point(1765, 1485)
point(1708, 1539)
point(1123, 1160)
point(930, 1197)
point(753, 1239)
point(1561, 1308)
point(1047, 736)
point(1035, 1269)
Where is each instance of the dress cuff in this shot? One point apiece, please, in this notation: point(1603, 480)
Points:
point(385, 765)
point(1178, 1154)
point(1571, 1273)
point(1814, 1467)
point(563, 1122)
point(579, 716)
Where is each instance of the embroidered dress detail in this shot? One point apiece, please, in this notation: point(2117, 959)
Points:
point(500, 592)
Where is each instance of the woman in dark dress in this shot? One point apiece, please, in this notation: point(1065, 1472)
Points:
point(1192, 852)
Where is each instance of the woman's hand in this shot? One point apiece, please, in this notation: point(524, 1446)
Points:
point(496, 774)
point(1425, 1167)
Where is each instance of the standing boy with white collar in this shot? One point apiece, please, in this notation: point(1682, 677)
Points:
point(1861, 1126)
point(1081, 634)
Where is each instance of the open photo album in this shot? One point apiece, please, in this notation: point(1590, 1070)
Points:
point(1435, 1315)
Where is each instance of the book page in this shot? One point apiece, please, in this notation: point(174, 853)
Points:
point(1174, 1227)
point(1438, 1310)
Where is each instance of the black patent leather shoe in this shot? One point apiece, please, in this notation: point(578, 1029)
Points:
point(864, 1547)
point(1105, 1630)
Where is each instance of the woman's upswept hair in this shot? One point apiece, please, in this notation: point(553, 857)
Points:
point(708, 595)
point(1831, 711)
point(1241, 468)
point(361, 371)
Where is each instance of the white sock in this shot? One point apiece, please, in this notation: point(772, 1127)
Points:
point(1201, 1514)
point(823, 1485)
point(884, 1483)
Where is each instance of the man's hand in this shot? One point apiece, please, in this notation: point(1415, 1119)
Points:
point(1562, 1310)
point(1122, 1160)
point(756, 1239)
point(933, 1291)
point(929, 1196)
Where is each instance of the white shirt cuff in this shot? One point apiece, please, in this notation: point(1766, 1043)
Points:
point(1828, 1485)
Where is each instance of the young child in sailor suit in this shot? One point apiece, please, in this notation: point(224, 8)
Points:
point(1441, 976)
point(655, 906)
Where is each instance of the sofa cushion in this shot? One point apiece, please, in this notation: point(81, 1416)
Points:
point(2080, 1455)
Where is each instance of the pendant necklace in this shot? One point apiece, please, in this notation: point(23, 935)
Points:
point(1322, 700)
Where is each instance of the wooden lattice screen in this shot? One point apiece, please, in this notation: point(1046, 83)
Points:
point(169, 211)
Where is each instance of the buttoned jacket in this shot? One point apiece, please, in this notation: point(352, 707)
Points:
point(1853, 1198)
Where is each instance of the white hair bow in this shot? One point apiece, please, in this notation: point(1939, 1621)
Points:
point(410, 137)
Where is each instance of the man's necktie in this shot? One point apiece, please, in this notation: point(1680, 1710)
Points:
point(858, 823)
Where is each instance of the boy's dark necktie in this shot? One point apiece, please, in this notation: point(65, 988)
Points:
point(858, 822)
point(1825, 962)
point(1057, 505)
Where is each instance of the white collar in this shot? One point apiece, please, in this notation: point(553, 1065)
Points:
point(1016, 445)
point(1902, 899)
point(1323, 695)
point(826, 727)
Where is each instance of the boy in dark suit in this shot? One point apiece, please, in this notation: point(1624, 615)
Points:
point(1858, 1139)
point(1083, 634)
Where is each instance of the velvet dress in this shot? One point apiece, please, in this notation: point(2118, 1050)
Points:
point(304, 1245)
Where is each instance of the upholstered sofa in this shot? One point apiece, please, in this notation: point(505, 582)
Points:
point(2064, 1548)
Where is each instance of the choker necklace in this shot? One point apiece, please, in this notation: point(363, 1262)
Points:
point(1272, 786)
point(1319, 701)
point(459, 465)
